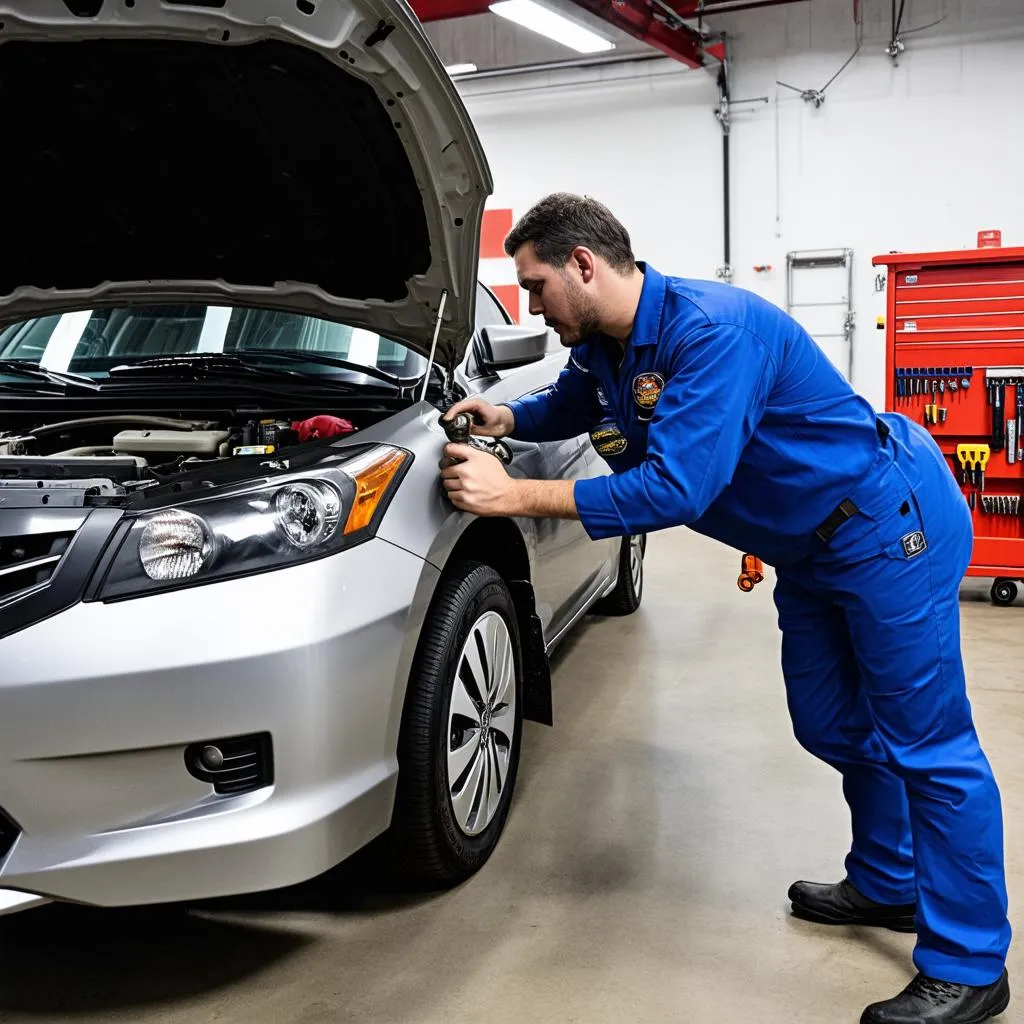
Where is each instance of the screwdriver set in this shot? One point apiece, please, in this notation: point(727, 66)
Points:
point(914, 381)
point(954, 332)
point(935, 385)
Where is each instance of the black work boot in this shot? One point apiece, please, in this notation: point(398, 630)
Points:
point(841, 903)
point(929, 1001)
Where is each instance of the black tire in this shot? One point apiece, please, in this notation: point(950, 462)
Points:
point(427, 846)
point(627, 595)
point(1003, 593)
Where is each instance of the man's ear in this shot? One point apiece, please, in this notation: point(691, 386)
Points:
point(584, 263)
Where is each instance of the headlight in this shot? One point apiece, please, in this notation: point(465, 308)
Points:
point(307, 514)
point(174, 545)
point(292, 520)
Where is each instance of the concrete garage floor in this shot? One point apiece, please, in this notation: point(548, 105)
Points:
point(642, 877)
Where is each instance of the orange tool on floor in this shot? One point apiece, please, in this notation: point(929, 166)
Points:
point(751, 573)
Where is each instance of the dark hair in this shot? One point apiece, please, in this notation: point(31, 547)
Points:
point(562, 221)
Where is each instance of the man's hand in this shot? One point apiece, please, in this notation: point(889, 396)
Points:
point(478, 483)
point(488, 420)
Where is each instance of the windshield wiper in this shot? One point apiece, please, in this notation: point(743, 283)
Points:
point(217, 366)
point(295, 355)
point(33, 371)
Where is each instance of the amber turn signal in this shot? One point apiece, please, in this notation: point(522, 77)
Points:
point(372, 482)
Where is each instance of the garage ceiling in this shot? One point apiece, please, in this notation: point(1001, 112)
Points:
point(469, 32)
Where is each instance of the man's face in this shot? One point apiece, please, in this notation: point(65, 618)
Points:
point(561, 296)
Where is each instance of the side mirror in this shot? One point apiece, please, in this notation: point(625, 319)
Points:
point(504, 347)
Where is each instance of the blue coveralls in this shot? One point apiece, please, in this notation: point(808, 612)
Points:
point(725, 416)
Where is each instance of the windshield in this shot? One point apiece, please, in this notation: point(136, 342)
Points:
point(91, 342)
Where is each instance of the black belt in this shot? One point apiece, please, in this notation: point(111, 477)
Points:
point(846, 509)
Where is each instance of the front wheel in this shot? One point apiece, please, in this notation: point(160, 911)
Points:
point(461, 732)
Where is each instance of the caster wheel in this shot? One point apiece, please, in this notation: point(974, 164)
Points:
point(1004, 592)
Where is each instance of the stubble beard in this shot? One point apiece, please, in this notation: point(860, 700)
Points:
point(585, 314)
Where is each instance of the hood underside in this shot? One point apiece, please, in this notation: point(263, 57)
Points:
point(306, 155)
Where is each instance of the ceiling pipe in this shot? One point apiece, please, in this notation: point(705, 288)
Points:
point(723, 114)
point(570, 64)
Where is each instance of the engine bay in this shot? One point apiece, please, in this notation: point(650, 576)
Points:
point(116, 454)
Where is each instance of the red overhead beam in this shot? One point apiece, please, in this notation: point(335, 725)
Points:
point(438, 10)
point(642, 20)
point(646, 20)
point(648, 23)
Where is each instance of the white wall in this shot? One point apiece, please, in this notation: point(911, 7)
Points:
point(918, 155)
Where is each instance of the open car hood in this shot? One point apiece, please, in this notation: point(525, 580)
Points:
point(305, 155)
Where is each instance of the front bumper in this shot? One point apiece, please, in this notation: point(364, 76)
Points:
point(99, 702)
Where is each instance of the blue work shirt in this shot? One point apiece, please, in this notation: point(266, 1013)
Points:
point(720, 413)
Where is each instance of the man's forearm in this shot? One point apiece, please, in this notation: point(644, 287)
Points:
point(543, 498)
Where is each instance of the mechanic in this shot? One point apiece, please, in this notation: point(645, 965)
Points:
point(715, 410)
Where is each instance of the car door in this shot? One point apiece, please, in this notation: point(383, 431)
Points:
point(570, 567)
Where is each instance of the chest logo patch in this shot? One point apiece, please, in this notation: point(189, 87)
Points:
point(601, 398)
point(608, 440)
point(647, 388)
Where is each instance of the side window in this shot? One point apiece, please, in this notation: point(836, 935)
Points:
point(488, 310)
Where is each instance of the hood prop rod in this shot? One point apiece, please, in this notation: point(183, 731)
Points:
point(433, 349)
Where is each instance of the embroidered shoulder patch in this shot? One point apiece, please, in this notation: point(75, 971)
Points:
point(647, 388)
point(607, 439)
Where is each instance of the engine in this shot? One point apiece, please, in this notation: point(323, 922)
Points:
point(141, 450)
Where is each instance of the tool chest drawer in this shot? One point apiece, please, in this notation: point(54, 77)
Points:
point(954, 337)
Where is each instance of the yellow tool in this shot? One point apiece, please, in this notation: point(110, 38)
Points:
point(751, 573)
point(975, 456)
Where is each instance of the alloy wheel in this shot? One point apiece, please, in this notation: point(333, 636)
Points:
point(481, 722)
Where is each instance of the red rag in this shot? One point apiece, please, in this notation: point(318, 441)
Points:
point(319, 427)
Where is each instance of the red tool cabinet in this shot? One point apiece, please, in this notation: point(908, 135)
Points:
point(954, 317)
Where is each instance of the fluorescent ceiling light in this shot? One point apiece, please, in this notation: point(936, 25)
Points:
point(546, 22)
point(460, 69)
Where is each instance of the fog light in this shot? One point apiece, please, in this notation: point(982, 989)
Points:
point(212, 758)
point(233, 765)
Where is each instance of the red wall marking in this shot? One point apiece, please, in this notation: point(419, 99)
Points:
point(496, 225)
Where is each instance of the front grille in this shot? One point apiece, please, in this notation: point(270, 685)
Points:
point(236, 765)
point(9, 833)
point(27, 562)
